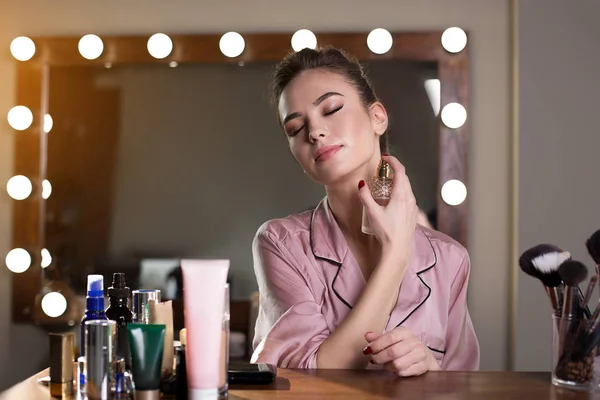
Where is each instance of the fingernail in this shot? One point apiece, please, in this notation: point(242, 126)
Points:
point(361, 184)
point(367, 351)
point(385, 155)
point(371, 361)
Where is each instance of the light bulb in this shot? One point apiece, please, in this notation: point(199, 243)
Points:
point(48, 123)
point(434, 92)
point(46, 258)
point(454, 115)
point(160, 45)
point(19, 187)
point(46, 189)
point(379, 41)
point(18, 260)
point(232, 44)
point(20, 118)
point(22, 48)
point(54, 304)
point(303, 39)
point(454, 192)
point(90, 47)
point(454, 39)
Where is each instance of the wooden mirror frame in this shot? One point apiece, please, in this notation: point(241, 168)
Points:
point(31, 144)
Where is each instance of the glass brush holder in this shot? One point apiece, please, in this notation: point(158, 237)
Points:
point(575, 361)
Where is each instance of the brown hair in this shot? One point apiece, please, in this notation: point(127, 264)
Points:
point(328, 59)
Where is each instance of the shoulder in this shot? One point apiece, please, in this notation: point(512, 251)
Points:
point(280, 229)
point(280, 244)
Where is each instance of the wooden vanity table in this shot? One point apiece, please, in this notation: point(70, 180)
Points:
point(339, 384)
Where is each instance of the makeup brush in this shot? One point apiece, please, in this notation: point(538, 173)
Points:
point(593, 247)
point(547, 265)
point(572, 273)
point(547, 257)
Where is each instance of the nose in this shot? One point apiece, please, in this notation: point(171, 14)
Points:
point(317, 133)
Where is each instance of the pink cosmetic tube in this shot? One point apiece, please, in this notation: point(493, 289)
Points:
point(203, 292)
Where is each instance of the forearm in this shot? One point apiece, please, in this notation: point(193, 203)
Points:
point(343, 348)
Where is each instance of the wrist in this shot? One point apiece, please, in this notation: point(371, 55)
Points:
point(433, 363)
point(394, 257)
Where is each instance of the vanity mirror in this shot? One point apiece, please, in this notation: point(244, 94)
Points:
point(144, 149)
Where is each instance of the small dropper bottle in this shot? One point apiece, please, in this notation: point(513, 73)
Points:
point(118, 311)
point(380, 186)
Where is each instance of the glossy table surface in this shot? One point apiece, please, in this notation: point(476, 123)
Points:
point(341, 384)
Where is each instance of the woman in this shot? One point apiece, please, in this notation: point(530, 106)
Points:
point(331, 296)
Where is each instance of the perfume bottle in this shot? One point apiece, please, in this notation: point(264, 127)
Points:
point(380, 186)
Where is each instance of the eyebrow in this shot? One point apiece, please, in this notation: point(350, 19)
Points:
point(315, 103)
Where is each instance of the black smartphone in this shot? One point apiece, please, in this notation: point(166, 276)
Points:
point(244, 373)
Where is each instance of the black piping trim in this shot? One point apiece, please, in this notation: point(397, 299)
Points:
point(310, 229)
point(423, 282)
point(335, 291)
point(436, 350)
point(339, 265)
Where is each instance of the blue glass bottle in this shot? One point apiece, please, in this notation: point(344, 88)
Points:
point(94, 309)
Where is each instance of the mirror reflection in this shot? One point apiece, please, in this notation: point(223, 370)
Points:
point(149, 164)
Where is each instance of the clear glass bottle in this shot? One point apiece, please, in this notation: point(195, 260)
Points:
point(380, 186)
point(224, 359)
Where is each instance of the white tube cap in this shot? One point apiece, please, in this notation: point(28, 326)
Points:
point(203, 394)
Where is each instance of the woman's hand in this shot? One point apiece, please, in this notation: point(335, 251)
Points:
point(393, 224)
point(400, 352)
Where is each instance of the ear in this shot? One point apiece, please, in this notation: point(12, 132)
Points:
point(379, 118)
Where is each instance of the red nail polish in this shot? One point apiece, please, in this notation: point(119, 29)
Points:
point(385, 155)
point(371, 362)
point(361, 184)
point(368, 350)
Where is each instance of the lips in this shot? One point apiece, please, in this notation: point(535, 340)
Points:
point(325, 152)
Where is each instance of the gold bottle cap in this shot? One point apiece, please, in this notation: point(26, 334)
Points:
point(146, 395)
point(63, 390)
point(383, 170)
point(61, 364)
point(183, 336)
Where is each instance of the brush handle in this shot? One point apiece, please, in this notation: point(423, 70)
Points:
point(588, 291)
point(565, 326)
point(554, 296)
point(568, 306)
point(584, 342)
point(579, 306)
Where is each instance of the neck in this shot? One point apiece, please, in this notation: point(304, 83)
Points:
point(347, 209)
point(345, 204)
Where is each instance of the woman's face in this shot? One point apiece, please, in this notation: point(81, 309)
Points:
point(330, 133)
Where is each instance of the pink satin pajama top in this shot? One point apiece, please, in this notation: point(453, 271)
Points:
point(308, 280)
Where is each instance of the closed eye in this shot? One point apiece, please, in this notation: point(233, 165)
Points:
point(334, 110)
point(294, 133)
